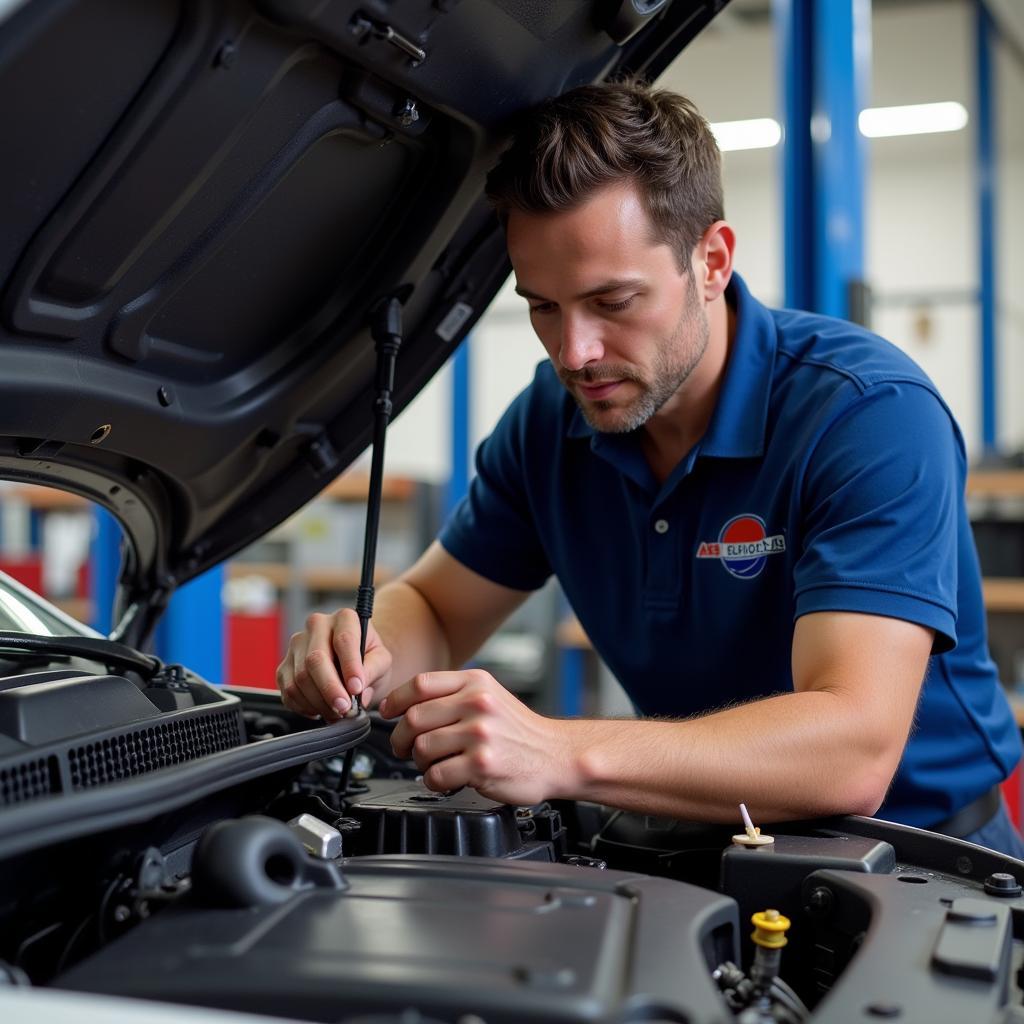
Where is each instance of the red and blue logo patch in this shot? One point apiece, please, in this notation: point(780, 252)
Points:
point(743, 546)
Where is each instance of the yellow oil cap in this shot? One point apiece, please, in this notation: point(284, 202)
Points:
point(770, 929)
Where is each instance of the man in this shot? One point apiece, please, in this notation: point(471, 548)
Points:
point(758, 517)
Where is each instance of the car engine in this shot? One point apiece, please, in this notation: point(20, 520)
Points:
point(168, 840)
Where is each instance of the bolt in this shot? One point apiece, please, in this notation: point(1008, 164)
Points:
point(360, 26)
point(964, 865)
point(771, 915)
point(121, 913)
point(406, 113)
point(225, 56)
point(1002, 884)
point(819, 902)
point(884, 1010)
point(164, 397)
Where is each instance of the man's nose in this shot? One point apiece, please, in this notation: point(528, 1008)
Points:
point(581, 343)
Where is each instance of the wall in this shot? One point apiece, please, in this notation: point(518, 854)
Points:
point(920, 222)
point(922, 228)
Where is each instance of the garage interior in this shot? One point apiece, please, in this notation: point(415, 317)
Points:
point(942, 286)
point(172, 832)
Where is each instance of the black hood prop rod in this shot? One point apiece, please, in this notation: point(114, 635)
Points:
point(386, 330)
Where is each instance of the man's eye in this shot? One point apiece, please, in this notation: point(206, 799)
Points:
point(542, 307)
point(615, 306)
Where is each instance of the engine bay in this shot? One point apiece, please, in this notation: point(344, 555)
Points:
point(251, 869)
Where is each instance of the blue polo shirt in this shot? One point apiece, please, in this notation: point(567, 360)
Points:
point(831, 478)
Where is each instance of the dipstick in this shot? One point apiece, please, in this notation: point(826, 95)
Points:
point(751, 835)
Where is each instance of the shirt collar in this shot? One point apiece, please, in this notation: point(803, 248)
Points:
point(737, 425)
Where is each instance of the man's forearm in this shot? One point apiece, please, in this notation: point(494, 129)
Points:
point(831, 746)
point(791, 756)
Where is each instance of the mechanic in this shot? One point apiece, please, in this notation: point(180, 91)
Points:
point(758, 517)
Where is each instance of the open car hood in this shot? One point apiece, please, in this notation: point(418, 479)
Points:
point(201, 201)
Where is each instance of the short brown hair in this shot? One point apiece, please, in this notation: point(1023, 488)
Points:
point(572, 145)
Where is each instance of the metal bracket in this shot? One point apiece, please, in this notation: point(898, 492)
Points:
point(361, 26)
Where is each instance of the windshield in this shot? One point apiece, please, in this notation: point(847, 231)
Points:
point(21, 611)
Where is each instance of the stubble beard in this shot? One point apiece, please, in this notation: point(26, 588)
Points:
point(675, 359)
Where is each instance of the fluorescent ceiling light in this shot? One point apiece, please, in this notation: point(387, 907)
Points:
point(875, 123)
point(918, 119)
point(759, 133)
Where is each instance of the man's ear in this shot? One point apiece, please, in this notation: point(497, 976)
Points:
point(713, 259)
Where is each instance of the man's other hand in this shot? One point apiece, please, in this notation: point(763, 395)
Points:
point(322, 670)
point(465, 729)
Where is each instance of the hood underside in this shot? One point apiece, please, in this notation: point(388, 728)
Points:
point(202, 200)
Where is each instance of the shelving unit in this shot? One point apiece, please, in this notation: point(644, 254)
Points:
point(303, 587)
point(996, 504)
point(77, 607)
point(314, 563)
point(571, 635)
point(1017, 703)
point(316, 578)
point(25, 509)
point(353, 486)
point(356, 487)
point(1004, 595)
point(46, 499)
point(996, 483)
point(300, 583)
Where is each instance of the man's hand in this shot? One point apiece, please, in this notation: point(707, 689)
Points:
point(322, 670)
point(465, 729)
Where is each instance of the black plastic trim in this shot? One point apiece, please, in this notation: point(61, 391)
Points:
point(63, 818)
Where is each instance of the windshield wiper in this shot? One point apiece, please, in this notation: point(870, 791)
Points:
point(108, 652)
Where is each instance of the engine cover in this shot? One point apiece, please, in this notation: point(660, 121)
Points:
point(399, 816)
point(508, 941)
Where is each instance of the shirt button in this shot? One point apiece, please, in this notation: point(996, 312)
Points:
point(661, 526)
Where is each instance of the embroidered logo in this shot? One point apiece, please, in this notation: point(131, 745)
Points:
point(743, 546)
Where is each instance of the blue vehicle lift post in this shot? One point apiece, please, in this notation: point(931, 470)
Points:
point(461, 411)
point(824, 53)
point(104, 566)
point(985, 173)
point(192, 629)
